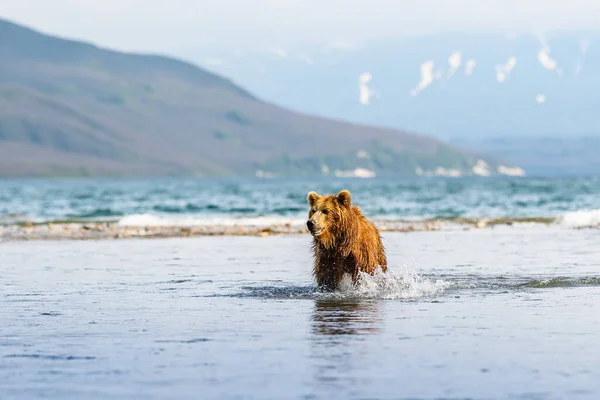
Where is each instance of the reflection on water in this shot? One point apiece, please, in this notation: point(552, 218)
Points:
point(339, 348)
point(346, 317)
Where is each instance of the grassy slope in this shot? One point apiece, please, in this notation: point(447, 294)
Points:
point(70, 108)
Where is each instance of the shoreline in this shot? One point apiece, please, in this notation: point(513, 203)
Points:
point(113, 230)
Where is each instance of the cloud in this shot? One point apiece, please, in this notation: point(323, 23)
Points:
point(343, 45)
point(226, 24)
point(306, 59)
point(279, 52)
point(213, 62)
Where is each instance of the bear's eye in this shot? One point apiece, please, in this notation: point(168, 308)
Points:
point(324, 212)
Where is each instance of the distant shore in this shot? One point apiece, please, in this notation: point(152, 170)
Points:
point(113, 230)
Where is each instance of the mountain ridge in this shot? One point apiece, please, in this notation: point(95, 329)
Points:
point(471, 90)
point(72, 108)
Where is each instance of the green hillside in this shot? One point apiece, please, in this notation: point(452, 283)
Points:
point(73, 109)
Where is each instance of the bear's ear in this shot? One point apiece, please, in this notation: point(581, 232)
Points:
point(345, 198)
point(312, 198)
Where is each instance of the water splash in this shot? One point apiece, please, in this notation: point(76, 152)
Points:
point(401, 284)
point(404, 283)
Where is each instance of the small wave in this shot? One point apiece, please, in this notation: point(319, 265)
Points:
point(560, 282)
point(516, 283)
point(50, 357)
point(83, 196)
point(288, 210)
point(142, 220)
point(138, 220)
point(190, 341)
point(13, 218)
point(275, 292)
point(98, 213)
point(209, 216)
point(188, 208)
point(191, 208)
point(242, 210)
point(581, 219)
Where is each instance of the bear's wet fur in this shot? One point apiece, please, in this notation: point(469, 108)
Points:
point(344, 240)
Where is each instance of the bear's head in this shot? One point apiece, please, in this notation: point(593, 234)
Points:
point(328, 213)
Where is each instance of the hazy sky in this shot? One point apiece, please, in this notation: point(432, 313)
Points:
point(176, 26)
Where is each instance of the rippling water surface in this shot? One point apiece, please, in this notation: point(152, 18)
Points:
point(173, 201)
point(503, 313)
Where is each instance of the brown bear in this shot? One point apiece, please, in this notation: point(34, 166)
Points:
point(344, 241)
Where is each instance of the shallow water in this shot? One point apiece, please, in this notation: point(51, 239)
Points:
point(486, 314)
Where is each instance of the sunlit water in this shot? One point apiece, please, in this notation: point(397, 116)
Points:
point(503, 313)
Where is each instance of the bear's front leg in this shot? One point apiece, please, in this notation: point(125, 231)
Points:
point(351, 267)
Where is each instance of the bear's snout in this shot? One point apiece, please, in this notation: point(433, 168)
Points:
point(310, 225)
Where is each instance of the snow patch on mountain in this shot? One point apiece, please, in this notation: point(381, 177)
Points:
point(365, 93)
point(454, 61)
point(470, 67)
point(503, 71)
point(426, 78)
point(584, 46)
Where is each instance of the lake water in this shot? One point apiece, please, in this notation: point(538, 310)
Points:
point(502, 313)
point(505, 312)
point(572, 201)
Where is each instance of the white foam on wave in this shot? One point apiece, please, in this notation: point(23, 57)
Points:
point(581, 219)
point(574, 219)
point(150, 220)
point(401, 284)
